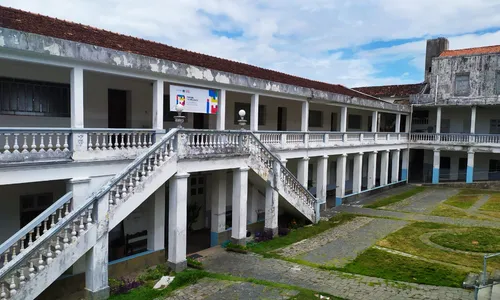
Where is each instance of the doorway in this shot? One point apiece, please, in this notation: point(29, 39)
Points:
point(462, 168)
point(117, 109)
point(200, 121)
point(281, 119)
point(333, 124)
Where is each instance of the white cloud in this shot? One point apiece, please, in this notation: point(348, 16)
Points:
point(292, 36)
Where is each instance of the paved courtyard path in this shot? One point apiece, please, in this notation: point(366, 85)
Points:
point(340, 245)
point(213, 289)
point(409, 216)
point(423, 202)
point(339, 284)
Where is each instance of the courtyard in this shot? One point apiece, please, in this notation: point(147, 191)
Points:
point(410, 242)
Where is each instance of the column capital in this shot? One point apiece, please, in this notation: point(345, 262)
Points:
point(436, 150)
point(305, 158)
point(182, 175)
point(325, 156)
point(79, 180)
point(244, 169)
point(283, 161)
point(344, 154)
point(360, 153)
point(396, 150)
point(388, 151)
point(375, 152)
point(470, 152)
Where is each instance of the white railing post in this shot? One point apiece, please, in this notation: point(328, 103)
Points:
point(306, 139)
point(283, 139)
point(361, 137)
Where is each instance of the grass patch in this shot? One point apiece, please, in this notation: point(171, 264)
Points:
point(474, 239)
point(377, 263)
point(477, 192)
point(146, 292)
point(188, 277)
point(396, 198)
point(493, 204)
point(408, 240)
point(443, 210)
point(462, 201)
point(299, 234)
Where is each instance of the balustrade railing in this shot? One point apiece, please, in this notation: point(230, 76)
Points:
point(291, 184)
point(455, 138)
point(26, 254)
point(118, 139)
point(36, 144)
point(321, 139)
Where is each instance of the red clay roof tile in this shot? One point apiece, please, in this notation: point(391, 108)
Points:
point(48, 26)
point(471, 51)
point(402, 90)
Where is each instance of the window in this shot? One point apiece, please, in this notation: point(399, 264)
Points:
point(168, 116)
point(462, 87)
point(34, 98)
point(495, 126)
point(246, 107)
point(33, 205)
point(354, 121)
point(315, 118)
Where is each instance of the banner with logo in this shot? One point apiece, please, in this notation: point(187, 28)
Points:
point(194, 100)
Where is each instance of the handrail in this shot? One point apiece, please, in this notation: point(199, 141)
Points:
point(485, 258)
point(90, 201)
point(282, 167)
point(35, 222)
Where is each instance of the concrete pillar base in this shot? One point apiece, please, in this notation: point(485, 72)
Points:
point(214, 239)
point(241, 242)
point(338, 201)
point(271, 231)
point(177, 267)
point(97, 295)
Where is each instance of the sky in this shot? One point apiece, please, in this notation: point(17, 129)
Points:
point(349, 42)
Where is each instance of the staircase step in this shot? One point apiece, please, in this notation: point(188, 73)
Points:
point(470, 281)
point(495, 291)
point(484, 293)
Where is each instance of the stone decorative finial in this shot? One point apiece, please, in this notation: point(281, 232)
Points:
point(179, 119)
point(242, 120)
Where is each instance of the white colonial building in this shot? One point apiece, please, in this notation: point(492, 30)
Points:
point(94, 171)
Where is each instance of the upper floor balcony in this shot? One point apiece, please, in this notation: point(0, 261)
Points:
point(51, 113)
point(455, 139)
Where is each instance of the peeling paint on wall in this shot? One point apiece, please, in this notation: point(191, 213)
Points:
point(53, 49)
point(2, 43)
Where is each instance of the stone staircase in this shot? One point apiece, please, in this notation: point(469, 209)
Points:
point(44, 249)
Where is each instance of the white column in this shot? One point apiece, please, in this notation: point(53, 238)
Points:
point(435, 166)
point(221, 111)
point(374, 121)
point(303, 171)
point(343, 119)
point(395, 166)
point(77, 107)
point(322, 179)
point(156, 220)
point(372, 170)
point(254, 113)
point(96, 273)
point(283, 162)
point(408, 123)
point(304, 123)
point(473, 120)
point(341, 177)
point(81, 190)
point(438, 119)
point(398, 123)
point(253, 204)
point(470, 167)
point(384, 168)
point(218, 203)
point(357, 173)
point(271, 222)
point(240, 194)
point(177, 222)
point(158, 104)
point(405, 161)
